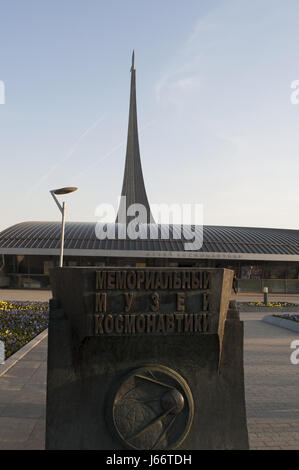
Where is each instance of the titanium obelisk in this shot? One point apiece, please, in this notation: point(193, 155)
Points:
point(133, 188)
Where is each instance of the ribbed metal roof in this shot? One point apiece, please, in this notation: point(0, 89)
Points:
point(80, 239)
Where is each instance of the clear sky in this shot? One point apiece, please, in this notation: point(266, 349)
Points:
point(216, 122)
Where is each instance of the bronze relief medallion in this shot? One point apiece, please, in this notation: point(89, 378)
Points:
point(153, 409)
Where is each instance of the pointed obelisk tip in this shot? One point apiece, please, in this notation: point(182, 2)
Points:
point(133, 61)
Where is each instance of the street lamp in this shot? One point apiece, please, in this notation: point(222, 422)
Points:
point(62, 210)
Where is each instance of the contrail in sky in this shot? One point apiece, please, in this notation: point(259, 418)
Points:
point(67, 156)
point(110, 152)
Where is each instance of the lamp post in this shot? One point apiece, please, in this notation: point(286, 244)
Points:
point(266, 290)
point(55, 192)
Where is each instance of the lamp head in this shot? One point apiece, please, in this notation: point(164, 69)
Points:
point(66, 190)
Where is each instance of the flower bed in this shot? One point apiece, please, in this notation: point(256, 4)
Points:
point(272, 304)
point(271, 307)
point(20, 322)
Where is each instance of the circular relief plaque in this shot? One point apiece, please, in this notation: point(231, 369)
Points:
point(153, 409)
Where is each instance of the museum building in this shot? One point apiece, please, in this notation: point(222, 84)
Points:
point(260, 257)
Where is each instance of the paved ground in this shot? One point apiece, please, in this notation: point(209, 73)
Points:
point(271, 383)
point(20, 294)
point(257, 297)
point(22, 401)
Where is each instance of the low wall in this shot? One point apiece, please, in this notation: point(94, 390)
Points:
point(282, 322)
point(275, 286)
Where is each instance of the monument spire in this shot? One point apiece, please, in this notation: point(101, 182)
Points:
point(133, 183)
point(133, 61)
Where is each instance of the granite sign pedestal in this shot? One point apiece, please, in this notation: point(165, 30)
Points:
point(144, 358)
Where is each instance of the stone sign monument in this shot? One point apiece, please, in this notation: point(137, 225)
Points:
point(144, 358)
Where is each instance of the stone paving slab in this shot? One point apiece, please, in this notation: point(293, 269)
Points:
point(16, 429)
point(271, 384)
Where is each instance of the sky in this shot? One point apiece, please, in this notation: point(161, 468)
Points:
point(217, 125)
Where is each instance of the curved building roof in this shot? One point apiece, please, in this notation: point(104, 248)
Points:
point(219, 242)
